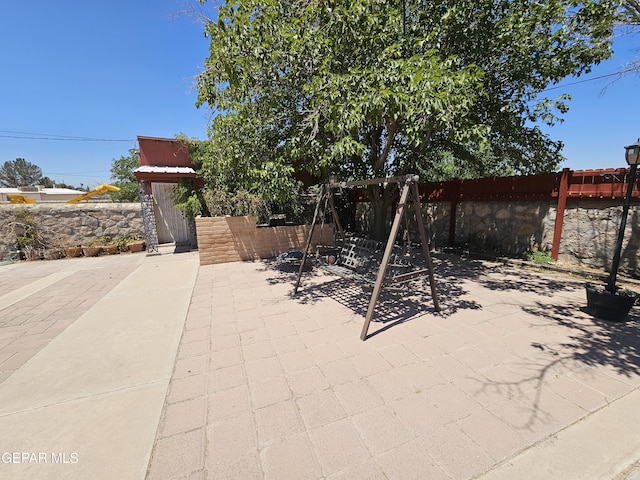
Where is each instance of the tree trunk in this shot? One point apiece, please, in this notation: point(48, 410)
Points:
point(379, 225)
point(381, 197)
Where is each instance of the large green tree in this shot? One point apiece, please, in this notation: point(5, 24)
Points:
point(123, 177)
point(19, 173)
point(377, 88)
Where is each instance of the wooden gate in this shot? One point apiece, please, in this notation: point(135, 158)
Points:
point(171, 224)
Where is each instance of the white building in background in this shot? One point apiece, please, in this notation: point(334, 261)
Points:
point(40, 194)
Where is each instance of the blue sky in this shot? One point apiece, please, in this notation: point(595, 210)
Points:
point(604, 114)
point(117, 69)
point(111, 70)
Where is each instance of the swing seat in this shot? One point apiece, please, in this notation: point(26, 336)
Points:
point(358, 254)
point(293, 257)
point(355, 260)
point(359, 259)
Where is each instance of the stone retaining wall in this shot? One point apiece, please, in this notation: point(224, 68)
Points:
point(74, 224)
point(234, 239)
point(504, 227)
point(590, 233)
point(588, 237)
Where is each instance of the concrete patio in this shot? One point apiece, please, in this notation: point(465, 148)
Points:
point(169, 370)
point(270, 386)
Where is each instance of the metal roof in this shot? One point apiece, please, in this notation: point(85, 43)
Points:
point(44, 191)
point(163, 169)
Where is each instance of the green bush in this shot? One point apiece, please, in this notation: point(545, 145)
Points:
point(220, 203)
point(25, 225)
point(538, 256)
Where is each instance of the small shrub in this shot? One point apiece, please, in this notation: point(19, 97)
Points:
point(26, 228)
point(541, 257)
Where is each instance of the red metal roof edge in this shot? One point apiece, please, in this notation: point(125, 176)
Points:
point(161, 139)
point(598, 171)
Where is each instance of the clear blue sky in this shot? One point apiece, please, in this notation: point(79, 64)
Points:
point(121, 68)
point(604, 114)
point(112, 69)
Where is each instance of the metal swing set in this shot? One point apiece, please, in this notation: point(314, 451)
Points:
point(409, 194)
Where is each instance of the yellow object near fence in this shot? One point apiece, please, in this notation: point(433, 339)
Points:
point(99, 190)
point(18, 198)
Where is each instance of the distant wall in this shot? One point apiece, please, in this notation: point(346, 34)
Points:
point(75, 224)
point(234, 239)
point(589, 232)
point(509, 228)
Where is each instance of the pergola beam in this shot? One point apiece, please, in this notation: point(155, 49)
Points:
point(373, 181)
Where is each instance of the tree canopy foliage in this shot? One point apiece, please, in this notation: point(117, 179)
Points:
point(49, 183)
point(631, 12)
point(237, 160)
point(123, 177)
point(372, 88)
point(630, 20)
point(19, 173)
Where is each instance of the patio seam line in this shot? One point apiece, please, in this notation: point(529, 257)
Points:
point(161, 419)
point(36, 286)
point(254, 422)
point(84, 397)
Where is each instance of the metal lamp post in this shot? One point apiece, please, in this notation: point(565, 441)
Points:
point(632, 156)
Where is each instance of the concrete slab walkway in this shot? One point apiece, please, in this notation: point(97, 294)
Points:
point(270, 386)
point(598, 447)
point(86, 402)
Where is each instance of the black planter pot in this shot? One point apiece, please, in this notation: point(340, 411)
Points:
point(613, 307)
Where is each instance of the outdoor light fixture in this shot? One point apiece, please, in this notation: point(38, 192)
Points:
point(632, 156)
point(632, 153)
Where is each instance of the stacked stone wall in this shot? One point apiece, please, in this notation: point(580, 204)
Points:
point(73, 224)
point(508, 228)
point(589, 233)
point(588, 237)
point(234, 239)
point(496, 227)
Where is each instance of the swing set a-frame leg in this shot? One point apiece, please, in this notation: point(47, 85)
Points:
point(306, 248)
point(425, 246)
point(385, 260)
point(325, 192)
point(410, 189)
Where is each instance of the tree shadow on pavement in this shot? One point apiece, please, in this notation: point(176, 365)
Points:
point(594, 342)
point(394, 306)
point(498, 276)
point(530, 282)
point(452, 272)
point(570, 342)
point(566, 338)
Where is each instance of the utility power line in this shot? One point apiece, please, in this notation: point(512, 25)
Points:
point(46, 174)
point(75, 173)
point(60, 138)
point(585, 80)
